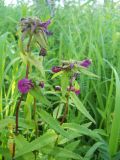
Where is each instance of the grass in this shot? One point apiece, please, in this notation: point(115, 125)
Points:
point(79, 32)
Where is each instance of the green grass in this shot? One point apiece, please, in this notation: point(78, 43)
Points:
point(79, 32)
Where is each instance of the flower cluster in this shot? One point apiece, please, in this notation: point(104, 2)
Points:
point(24, 85)
point(85, 63)
point(69, 66)
point(34, 25)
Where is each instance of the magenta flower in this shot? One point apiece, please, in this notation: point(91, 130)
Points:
point(56, 69)
point(24, 85)
point(45, 24)
point(71, 65)
point(77, 91)
point(85, 63)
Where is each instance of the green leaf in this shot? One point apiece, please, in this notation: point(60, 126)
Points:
point(65, 153)
point(115, 129)
point(57, 74)
point(91, 151)
point(6, 153)
point(73, 145)
point(11, 121)
point(41, 39)
point(53, 123)
point(38, 94)
point(81, 107)
point(33, 60)
point(81, 129)
point(37, 144)
point(64, 83)
point(20, 142)
point(88, 73)
point(5, 122)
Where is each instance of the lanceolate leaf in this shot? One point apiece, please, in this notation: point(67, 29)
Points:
point(37, 144)
point(91, 151)
point(115, 130)
point(5, 152)
point(20, 142)
point(65, 153)
point(88, 73)
point(38, 94)
point(52, 122)
point(82, 130)
point(81, 107)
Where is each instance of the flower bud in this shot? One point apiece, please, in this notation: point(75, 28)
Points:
point(41, 84)
point(56, 69)
point(57, 88)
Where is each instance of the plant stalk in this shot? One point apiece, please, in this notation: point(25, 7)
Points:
point(66, 110)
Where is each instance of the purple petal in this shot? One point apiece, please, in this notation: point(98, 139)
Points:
point(85, 63)
point(56, 69)
point(45, 24)
point(48, 33)
point(71, 65)
point(77, 92)
point(24, 85)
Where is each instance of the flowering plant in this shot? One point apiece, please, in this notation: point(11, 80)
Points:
point(36, 92)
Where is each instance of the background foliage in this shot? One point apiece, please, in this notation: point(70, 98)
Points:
point(79, 32)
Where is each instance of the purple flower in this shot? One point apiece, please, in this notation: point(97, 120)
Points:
point(57, 88)
point(56, 69)
point(24, 85)
point(85, 63)
point(77, 91)
point(43, 52)
point(34, 25)
point(48, 33)
point(45, 24)
point(41, 84)
point(71, 65)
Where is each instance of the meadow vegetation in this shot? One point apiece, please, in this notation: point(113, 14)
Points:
point(54, 121)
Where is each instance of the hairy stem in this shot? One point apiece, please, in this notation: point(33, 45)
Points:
point(28, 50)
point(36, 126)
point(66, 110)
point(20, 100)
point(17, 113)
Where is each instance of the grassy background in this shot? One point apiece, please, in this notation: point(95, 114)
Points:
point(79, 32)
